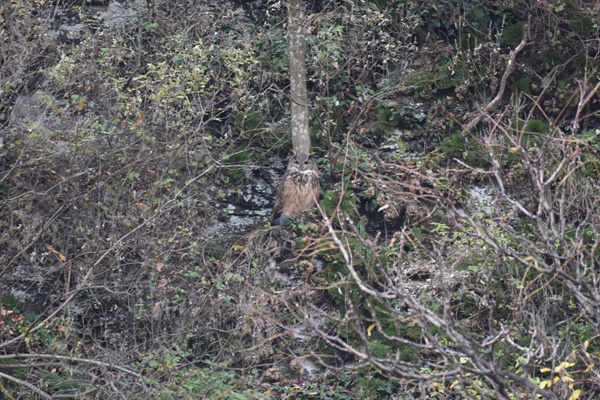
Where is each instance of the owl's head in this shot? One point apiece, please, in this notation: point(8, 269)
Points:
point(303, 162)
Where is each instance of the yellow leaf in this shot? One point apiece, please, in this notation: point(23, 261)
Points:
point(463, 360)
point(563, 365)
point(545, 370)
point(454, 384)
point(370, 329)
point(576, 394)
point(590, 367)
point(567, 379)
point(544, 384)
point(238, 247)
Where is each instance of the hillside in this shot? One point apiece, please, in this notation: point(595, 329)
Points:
point(454, 253)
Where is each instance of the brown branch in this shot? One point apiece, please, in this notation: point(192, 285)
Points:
point(510, 67)
point(583, 100)
point(88, 275)
point(28, 385)
point(75, 359)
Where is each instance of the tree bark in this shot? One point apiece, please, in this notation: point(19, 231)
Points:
point(299, 98)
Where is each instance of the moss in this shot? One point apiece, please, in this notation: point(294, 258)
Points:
point(443, 184)
point(513, 34)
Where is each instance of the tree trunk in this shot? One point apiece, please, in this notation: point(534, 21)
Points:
point(299, 98)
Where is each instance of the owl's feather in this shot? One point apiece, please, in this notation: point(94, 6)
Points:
point(299, 190)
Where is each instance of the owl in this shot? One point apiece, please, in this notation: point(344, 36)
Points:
point(299, 190)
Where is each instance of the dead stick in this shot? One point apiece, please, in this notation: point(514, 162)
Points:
point(510, 67)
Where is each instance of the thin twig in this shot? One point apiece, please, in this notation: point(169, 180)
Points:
point(36, 389)
point(510, 67)
point(75, 359)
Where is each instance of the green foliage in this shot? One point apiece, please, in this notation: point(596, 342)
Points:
point(171, 381)
point(536, 126)
point(512, 34)
point(236, 158)
point(581, 24)
point(424, 83)
point(523, 85)
point(469, 150)
point(591, 146)
point(346, 201)
point(10, 302)
point(253, 129)
point(468, 40)
point(453, 145)
point(146, 110)
point(475, 154)
point(533, 132)
point(249, 121)
point(450, 17)
point(373, 386)
point(388, 119)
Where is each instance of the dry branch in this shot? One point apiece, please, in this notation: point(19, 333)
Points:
point(510, 67)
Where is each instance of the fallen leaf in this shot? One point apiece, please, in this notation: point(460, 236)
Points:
point(156, 309)
point(58, 254)
point(370, 329)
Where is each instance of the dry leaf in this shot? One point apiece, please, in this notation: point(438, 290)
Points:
point(159, 266)
point(156, 309)
point(141, 206)
point(162, 283)
point(58, 254)
point(16, 317)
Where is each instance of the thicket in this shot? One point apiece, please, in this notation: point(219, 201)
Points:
point(454, 253)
